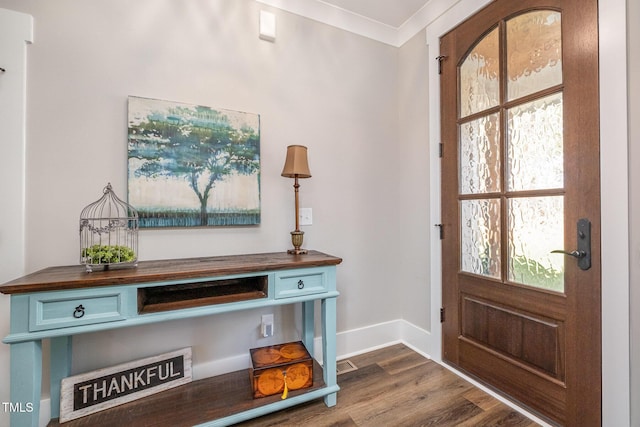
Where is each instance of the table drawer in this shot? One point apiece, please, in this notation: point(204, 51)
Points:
point(296, 283)
point(52, 310)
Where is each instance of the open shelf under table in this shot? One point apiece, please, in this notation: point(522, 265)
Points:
point(198, 402)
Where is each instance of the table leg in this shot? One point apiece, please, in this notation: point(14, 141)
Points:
point(60, 368)
point(308, 327)
point(329, 348)
point(26, 379)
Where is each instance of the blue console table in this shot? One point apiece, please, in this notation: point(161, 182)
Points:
point(59, 302)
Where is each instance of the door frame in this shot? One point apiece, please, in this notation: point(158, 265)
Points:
point(17, 34)
point(614, 198)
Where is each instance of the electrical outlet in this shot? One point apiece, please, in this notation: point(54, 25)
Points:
point(305, 216)
point(266, 328)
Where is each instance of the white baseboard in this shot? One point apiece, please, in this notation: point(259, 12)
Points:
point(348, 343)
point(370, 338)
point(45, 412)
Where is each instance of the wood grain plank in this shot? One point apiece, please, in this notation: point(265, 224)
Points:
point(76, 276)
point(481, 399)
point(383, 392)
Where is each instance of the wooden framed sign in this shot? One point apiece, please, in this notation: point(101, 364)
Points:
point(105, 388)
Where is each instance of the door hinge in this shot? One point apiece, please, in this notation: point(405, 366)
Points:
point(440, 59)
point(441, 226)
point(442, 315)
point(441, 150)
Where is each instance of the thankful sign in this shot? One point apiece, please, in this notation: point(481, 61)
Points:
point(105, 388)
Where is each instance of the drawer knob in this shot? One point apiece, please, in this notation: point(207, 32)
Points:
point(79, 312)
point(300, 284)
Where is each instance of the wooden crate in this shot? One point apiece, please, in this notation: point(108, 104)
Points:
point(274, 365)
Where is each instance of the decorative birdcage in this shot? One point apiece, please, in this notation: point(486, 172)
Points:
point(108, 233)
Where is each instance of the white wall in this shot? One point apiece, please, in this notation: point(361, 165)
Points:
point(413, 270)
point(633, 17)
point(319, 86)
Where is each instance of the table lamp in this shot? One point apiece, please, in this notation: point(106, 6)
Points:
point(296, 166)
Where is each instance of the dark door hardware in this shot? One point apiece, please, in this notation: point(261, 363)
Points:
point(583, 253)
point(79, 312)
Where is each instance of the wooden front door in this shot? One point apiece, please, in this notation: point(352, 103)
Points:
point(520, 179)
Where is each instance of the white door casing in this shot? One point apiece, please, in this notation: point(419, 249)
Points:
point(16, 32)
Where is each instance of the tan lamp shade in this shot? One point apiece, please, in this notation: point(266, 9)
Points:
point(296, 164)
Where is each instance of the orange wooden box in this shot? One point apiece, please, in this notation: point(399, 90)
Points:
point(274, 365)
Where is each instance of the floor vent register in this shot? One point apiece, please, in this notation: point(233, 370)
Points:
point(346, 366)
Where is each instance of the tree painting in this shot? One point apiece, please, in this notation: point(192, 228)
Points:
point(191, 165)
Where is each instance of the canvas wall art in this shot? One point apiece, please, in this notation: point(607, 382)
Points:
point(191, 165)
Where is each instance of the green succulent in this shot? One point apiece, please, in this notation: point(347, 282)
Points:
point(107, 254)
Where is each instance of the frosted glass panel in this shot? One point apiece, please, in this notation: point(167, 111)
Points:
point(535, 159)
point(479, 76)
point(534, 52)
point(536, 227)
point(480, 231)
point(480, 155)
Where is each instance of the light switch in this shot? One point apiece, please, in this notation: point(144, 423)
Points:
point(305, 216)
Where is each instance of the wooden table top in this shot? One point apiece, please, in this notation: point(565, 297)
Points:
point(76, 276)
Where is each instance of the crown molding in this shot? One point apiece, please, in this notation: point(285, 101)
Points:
point(430, 12)
point(343, 19)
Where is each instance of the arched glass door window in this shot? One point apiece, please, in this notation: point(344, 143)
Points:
point(511, 156)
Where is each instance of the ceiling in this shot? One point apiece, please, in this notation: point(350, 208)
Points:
point(392, 22)
point(393, 13)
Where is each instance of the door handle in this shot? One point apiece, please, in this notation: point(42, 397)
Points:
point(575, 254)
point(583, 253)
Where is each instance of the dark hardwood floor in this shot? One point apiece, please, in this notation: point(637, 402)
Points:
point(395, 386)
